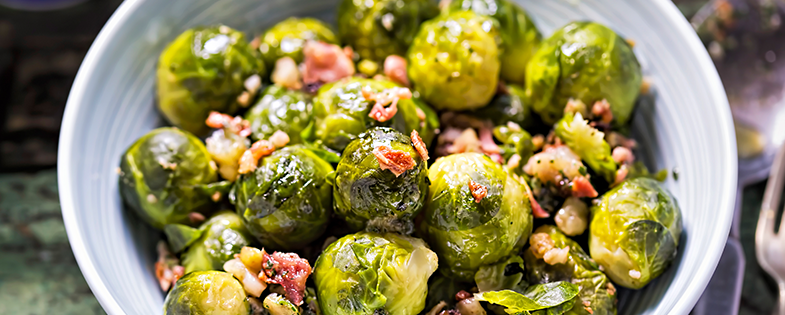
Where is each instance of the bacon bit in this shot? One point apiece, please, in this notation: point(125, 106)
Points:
point(536, 208)
point(419, 145)
point(395, 69)
point(244, 99)
point(538, 141)
point(388, 96)
point(286, 74)
point(288, 270)
point(196, 217)
point(236, 125)
point(279, 139)
point(622, 155)
point(581, 187)
point(396, 161)
point(381, 113)
point(420, 114)
point(462, 295)
point(540, 244)
point(487, 145)
point(216, 196)
point(326, 62)
point(167, 268)
point(586, 303)
point(247, 163)
point(611, 288)
point(588, 309)
point(515, 161)
point(250, 158)
point(621, 174)
point(602, 109)
point(478, 191)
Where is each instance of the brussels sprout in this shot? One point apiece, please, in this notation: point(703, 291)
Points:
point(369, 273)
point(379, 28)
point(165, 176)
point(454, 61)
point(508, 106)
point(504, 275)
point(514, 141)
point(634, 232)
point(588, 62)
point(597, 294)
point(210, 246)
point(588, 143)
point(520, 37)
point(288, 37)
point(207, 292)
point(368, 193)
point(280, 109)
point(286, 202)
point(204, 70)
point(468, 232)
point(341, 113)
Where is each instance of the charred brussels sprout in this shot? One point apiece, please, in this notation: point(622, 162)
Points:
point(340, 113)
point(379, 28)
point(280, 109)
point(212, 244)
point(454, 61)
point(520, 37)
point(165, 175)
point(597, 294)
point(207, 292)
point(586, 61)
point(288, 37)
point(475, 214)
point(366, 192)
point(286, 202)
point(368, 273)
point(203, 70)
point(634, 232)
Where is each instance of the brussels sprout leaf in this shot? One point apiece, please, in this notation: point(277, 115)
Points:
point(222, 187)
point(181, 236)
point(505, 275)
point(588, 143)
point(649, 244)
point(536, 297)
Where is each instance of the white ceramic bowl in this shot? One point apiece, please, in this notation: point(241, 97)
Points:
point(688, 127)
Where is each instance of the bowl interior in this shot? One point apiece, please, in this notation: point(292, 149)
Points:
point(686, 127)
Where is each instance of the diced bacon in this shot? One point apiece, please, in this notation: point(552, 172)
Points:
point(236, 125)
point(537, 210)
point(279, 139)
point(478, 191)
point(581, 187)
point(196, 217)
point(286, 74)
point(325, 63)
point(289, 271)
point(622, 155)
point(419, 145)
point(381, 113)
point(167, 268)
point(395, 69)
point(602, 109)
point(487, 145)
point(389, 96)
point(396, 161)
point(514, 161)
point(621, 174)
point(420, 114)
point(250, 158)
point(462, 295)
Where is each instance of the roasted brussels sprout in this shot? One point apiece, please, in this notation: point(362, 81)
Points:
point(368, 273)
point(597, 294)
point(379, 28)
point(212, 244)
point(634, 232)
point(286, 202)
point(585, 61)
point(288, 37)
point(454, 61)
point(340, 113)
point(165, 176)
point(368, 193)
point(207, 292)
point(280, 109)
point(508, 105)
point(475, 214)
point(520, 37)
point(204, 70)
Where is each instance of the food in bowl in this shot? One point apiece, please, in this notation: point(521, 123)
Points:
point(465, 167)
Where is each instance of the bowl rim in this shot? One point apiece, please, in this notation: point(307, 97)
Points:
point(683, 306)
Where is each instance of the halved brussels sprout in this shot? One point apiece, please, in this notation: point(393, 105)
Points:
point(369, 273)
point(202, 70)
point(634, 232)
point(379, 28)
point(165, 176)
point(520, 37)
point(207, 292)
point(367, 193)
point(597, 294)
point(340, 113)
point(280, 109)
point(212, 244)
point(506, 106)
point(467, 227)
point(286, 202)
point(585, 61)
point(454, 61)
point(288, 37)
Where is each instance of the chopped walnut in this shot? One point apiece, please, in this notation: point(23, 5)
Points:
point(244, 99)
point(249, 279)
point(602, 109)
point(419, 145)
point(611, 289)
point(286, 74)
point(540, 243)
point(478, 191)
point(250, 158)
point(279, 139)
point(556, 256)
point(395, 69)
point(326, 63)
point(396, 161)
point(216, 196)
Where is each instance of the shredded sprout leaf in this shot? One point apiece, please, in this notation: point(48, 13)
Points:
point(536, 297)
